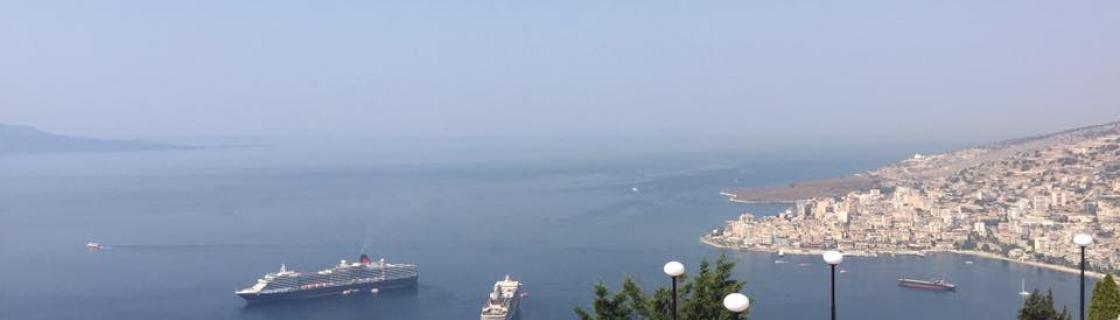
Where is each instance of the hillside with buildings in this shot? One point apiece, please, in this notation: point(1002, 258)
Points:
point(1021, 199)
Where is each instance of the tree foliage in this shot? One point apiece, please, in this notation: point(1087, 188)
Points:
point(607, 306)
point(699, 298)
point(1040, 307)
point(1106, 300)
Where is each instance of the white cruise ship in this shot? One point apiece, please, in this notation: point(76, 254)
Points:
point(503, 301)
point(344, 279)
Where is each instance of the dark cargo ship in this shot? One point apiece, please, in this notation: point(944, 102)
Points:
point(345, 278)
point(933, 284)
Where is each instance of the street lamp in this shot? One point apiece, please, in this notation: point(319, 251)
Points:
point(737, 303)
point(833, 258)
point(1082, 240)
point(674, 270)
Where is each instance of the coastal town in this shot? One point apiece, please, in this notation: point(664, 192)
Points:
point(1019, 200)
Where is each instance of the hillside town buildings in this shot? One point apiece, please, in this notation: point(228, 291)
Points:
point(1026, 206)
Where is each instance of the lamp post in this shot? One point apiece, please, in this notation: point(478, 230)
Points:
point(737, 303)
point(674, 270)
point(833, 258)
point(1082, 240)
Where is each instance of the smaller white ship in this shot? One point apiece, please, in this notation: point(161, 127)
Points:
point(1023, 288)
point(503, 302)
point(93, 246)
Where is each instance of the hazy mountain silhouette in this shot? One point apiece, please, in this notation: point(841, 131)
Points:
point(18, 139)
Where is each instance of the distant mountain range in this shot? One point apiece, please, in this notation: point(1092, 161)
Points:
point(18, 139)
point(1065, 136)
point(928, 167)
point(941, 165)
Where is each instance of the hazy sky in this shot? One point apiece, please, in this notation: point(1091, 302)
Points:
point(437, 69)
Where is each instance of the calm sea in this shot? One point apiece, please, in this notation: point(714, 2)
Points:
point(187, 228)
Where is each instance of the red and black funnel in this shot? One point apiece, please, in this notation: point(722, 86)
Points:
point(364, 259)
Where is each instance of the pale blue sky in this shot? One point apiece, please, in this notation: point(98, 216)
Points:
point(797, 70)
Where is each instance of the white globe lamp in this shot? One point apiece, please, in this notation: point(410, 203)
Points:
point(1082, 240)
point(736, 302)
point(833, 257)
point(674, 269)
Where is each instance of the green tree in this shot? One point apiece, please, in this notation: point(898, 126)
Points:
point(699, 298)
point(607, 306)
point(658, 307)
point(704, 294)
point(1039, 307)
point(1106, 300)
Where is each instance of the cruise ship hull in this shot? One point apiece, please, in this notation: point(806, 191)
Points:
point(361, 288)
point(925, 285)
point(515, 311)
point(504, 302)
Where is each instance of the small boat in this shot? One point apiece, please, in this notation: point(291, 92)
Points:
point(781, 253)
point(635, 190)
point(932, 284)
point(843, 271)
point(93, 246)
point(779, 261)
point(1023, 288)
point(968, 262)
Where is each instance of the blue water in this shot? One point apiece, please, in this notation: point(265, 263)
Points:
point(187, 228)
